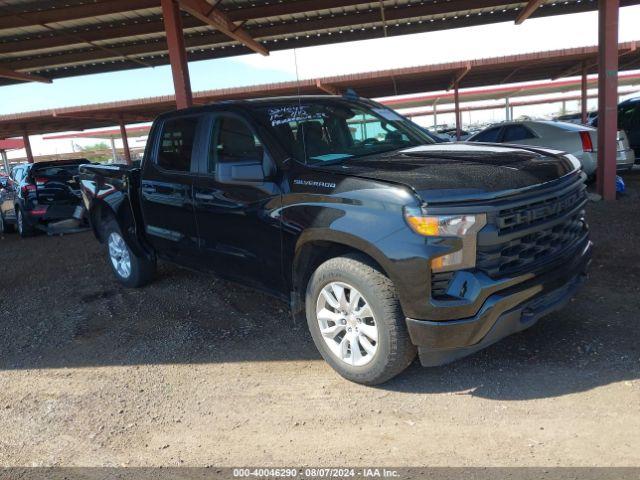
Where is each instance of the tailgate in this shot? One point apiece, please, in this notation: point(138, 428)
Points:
point(57, 185)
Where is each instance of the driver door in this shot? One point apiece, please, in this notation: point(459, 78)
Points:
point(236, 200)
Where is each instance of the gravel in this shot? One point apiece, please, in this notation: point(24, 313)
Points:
point(197, 371)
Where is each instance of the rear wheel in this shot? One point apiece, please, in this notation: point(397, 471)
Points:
point(24, 229)
point(356, 321)
point(130, 269)
point(4, 226)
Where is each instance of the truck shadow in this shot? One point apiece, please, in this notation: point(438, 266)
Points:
point(61, 308)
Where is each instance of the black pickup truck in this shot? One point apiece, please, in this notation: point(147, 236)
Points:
point(388, 243)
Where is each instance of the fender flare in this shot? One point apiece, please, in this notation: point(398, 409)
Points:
point(338, 238)
point(120, 210)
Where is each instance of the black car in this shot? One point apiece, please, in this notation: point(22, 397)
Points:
point(387, 243)
point(629, 121)
point(39, 194)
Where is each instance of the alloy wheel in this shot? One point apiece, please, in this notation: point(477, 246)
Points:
point(119, 255)
point(347, 324)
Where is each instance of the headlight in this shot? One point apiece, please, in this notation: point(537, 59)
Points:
point(464, 227)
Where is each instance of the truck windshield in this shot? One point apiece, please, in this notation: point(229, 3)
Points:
point(318, 132)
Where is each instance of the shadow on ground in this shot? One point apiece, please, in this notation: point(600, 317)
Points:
point(60, 307)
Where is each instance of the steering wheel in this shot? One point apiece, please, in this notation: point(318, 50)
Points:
point(370, 141)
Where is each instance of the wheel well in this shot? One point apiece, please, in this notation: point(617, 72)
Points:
point(100, 213)
point(311, 256)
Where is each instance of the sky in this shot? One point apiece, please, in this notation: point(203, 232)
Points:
point(566, 31)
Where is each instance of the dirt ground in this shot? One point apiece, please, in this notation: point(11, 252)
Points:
point(196, 371)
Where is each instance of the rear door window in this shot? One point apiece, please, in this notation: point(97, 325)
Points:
point(490, 136)
point(178, 137)
point(516, 133)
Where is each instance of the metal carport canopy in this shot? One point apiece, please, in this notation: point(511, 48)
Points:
point(484, 72)
point(41, 40)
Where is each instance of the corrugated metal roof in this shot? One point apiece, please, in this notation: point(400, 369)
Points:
point(53, 39)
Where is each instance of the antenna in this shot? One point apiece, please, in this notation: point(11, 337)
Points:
point(385, 29)
point(300, 129)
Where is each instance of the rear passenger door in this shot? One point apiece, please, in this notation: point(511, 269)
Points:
point(167, 189)
point(235, 198)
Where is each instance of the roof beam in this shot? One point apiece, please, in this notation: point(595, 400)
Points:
point(510, 75)
point(330, 89)
point(212, 16)
point(115, 116)
point(22, 77)
point(578, 67)
point(459, 76)
point(531, 7)
point(288, 8)
point(9, 19)
point(61, 37)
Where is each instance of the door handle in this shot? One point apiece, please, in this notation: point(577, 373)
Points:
point(204, 196)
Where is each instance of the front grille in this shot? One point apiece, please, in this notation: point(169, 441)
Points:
point(530, 250)
point(522, 216)
point(527, 234)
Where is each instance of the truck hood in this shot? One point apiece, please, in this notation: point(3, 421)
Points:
point(462, 169)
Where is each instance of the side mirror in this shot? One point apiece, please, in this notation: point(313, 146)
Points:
point(240, 172)
point(247, 172)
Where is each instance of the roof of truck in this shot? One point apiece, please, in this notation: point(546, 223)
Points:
point(266, 101)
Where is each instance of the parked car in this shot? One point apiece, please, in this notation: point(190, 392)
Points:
point(629, 121)
point(452, 132)
point(436, 137)
point(576, 117)
point(386, 242)
point(41, 193)
point(578, 140)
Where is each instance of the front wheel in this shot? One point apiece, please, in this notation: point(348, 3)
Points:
point(130, 269)
point(356, 321)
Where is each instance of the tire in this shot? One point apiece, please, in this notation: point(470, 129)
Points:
point(24, 229)
point(392, 350)
point(130, 270)
point(4, 226)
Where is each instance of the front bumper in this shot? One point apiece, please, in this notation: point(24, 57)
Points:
point(508, 311)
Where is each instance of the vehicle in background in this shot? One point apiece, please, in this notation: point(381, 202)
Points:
point(436, 137)
point(576, 117)
point(629, 121)
point(40, 194)
point(6, 202)
point(579, 140)
point(387, 243)
point(451, 134)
